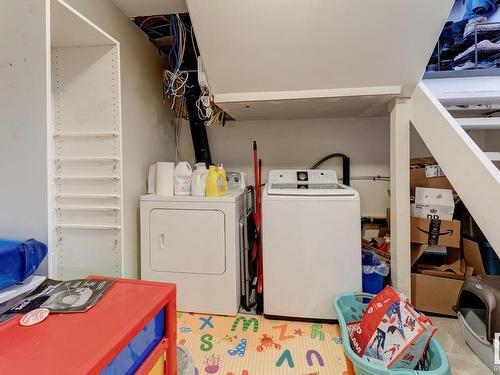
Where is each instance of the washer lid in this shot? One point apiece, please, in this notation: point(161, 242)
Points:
point(306, 182)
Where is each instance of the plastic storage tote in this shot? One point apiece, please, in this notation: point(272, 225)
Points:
point(350, 308)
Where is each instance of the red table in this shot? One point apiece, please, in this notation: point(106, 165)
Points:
point(85, 343)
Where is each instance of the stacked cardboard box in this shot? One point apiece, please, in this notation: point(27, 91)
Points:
point(425, 172)
point(441, 260)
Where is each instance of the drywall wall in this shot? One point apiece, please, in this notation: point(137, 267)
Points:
point(146, 121)
point(24, 87)
point(300, 143)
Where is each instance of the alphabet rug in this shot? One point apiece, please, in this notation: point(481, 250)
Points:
point(254, 345)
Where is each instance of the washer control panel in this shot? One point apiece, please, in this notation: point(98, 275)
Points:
point(305, 182)
point(311, 176)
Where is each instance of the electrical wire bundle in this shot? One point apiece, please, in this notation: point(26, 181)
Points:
point(207, 110)
point(174, 82)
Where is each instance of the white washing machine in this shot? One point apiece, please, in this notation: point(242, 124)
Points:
point(311, 231)
point(194, 243)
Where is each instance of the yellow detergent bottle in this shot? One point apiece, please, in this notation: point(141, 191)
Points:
point(216, 181)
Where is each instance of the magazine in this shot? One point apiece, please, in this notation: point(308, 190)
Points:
point(64, 296)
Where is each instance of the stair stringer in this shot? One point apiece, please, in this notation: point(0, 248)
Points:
point(475, 178)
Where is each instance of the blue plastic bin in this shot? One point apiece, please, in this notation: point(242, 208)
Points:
point(350, 308)
point(373, 282)
point(137, 350)
point(373, 273)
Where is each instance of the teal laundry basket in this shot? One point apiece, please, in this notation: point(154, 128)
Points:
point(350, 308)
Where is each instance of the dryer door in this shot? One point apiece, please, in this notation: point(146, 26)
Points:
point(187, 241)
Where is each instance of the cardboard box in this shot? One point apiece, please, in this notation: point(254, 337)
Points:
point(370, 231)
point(425, 172)
point(435, 287)
point(472, 256)
point(435, 232)
point(433, 204)
point(434, 294)
point(453, 266)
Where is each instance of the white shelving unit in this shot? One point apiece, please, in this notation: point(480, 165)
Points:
point(85, 144)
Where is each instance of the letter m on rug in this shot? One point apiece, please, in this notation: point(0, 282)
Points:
point(246, 324)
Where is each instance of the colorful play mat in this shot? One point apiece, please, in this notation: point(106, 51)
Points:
point(253, 345)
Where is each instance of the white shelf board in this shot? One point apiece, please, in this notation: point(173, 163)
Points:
point(358, 102)
point(85, 135)
point(90, 160)
point(469, 93)
point(493, 156)
point(86, 208)
point(86, 226)
point(68, 28)
point(95, 178)
point(88, 196)
point(134, 8)
point(479, 123)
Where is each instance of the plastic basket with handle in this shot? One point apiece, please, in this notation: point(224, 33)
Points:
point(350, 308)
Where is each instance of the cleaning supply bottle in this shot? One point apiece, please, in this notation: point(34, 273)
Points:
point(221, 180)
point(199, 180)
point(182, 178)
point(216, 181)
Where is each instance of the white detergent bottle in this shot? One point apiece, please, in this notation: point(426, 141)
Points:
point(182, 178)
point(199, 180)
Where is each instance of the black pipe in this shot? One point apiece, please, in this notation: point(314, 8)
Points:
point(197, 125)
point(346, 166)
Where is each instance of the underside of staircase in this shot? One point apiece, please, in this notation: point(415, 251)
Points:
point(443, 111)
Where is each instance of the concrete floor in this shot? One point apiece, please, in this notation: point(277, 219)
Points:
point(462, 359)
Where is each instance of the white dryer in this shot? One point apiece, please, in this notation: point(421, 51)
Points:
point(194, 243)
point(311, 231)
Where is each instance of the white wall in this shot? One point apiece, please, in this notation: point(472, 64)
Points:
point(300, 143)
point(23, 117)
point(146, 121)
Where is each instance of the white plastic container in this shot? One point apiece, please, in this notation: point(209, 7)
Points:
point(182, 178)
point(199, 180)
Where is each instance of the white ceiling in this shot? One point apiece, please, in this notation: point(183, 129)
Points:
point(283, 45)
point(134, 8)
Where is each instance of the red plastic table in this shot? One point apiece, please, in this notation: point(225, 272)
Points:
point(85, 343)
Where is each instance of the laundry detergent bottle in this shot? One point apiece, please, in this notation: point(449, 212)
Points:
point(199, 180)
point(182, 178)
point(216, 181)
point(221, 180)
